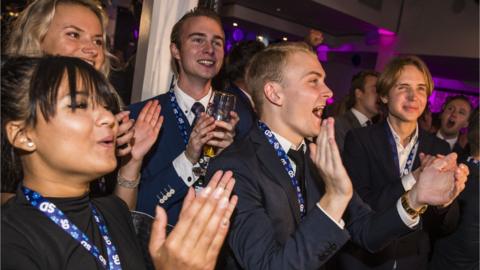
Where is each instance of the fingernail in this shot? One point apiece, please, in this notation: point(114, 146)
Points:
point(218, 193)
point(157, 211)
point(206, 192)
point(223, 202)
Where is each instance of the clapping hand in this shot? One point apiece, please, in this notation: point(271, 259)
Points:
point(125, 133)
point(146, 129)
point(203, 224)
point(440, 182)
point(326, 156)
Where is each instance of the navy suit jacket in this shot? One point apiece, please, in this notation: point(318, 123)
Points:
point(244, 109)
point(375, 176)
point(159, 178)
point(267, 232)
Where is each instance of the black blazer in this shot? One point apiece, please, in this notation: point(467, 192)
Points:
point(375, 176)
point(266, 231)
point(244, 109)
point(343, 124)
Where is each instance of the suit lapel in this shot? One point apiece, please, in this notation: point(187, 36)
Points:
point(384, 149)
point(272, 165)
point(352, 119)
point(423, 147)
point(313, 182)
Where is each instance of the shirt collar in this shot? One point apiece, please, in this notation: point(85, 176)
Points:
point(360, 117)
point(185, 102)
point(451, 142)
point(396, 137)
point(286, 145)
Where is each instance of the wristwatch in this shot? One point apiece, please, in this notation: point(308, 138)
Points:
point(412, 212)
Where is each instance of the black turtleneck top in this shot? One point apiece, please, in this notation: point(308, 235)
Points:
point(30, 240)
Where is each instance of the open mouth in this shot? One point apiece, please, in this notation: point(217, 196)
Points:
point(207, 63)
point(450, 123)
point(107, 142)
point(318, 111)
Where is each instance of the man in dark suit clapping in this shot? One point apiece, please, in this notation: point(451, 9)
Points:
point(296, 206)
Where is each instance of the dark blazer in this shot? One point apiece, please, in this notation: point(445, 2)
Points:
point(459, 250)
point(159, 178)
point(244, 109)
point(266, 231)
point(343, 124)
point(375, 176)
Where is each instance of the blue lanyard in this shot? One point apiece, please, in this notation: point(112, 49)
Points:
point(286, 164)
point(176, 111)
point(59, 218)
point(411, 156)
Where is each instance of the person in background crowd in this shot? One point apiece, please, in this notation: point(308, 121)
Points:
point(459, 250)
point(362, 105)
point(59, 130)
point(386, 159)
point(453, 118)
point(236, 64)
point(74, 28)
point(314, 38)
point(197, 49)
point(426, 120)
point(297, 207)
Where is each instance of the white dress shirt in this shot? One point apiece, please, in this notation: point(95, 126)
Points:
point(407, 180)
point(360, 117)
point(182, 165)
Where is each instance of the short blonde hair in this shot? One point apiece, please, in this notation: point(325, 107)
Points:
point(31, 26)
point(268, 66)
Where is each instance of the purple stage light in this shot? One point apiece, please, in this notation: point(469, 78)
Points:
point(385, 32)
point(322, 52)
point(238, 35)
point(330, 101)
point(135, 34)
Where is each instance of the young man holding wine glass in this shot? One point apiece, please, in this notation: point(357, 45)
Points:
point(197, 50)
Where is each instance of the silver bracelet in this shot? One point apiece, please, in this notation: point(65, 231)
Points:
point(123, 182)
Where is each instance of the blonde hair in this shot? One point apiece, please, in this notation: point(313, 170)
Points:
point(268, 65)
point(31, 26)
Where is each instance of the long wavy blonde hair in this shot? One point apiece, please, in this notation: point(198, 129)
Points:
point(31, 26)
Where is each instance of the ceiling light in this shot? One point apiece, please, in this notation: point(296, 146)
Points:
point(285, 39)
point(235, 24)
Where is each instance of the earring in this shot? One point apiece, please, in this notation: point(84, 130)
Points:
point(30, 144)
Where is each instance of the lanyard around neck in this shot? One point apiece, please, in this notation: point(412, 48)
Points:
point(282, 155)
point(58, 217)
point(181, 119)
point(411, 156)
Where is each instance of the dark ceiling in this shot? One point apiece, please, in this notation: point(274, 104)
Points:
point(309, 14)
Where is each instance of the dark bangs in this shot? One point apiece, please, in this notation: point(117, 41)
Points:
point(48, 76)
